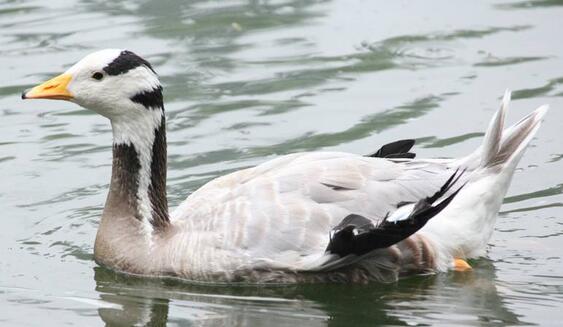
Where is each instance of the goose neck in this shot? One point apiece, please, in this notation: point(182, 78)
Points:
point(138, 179)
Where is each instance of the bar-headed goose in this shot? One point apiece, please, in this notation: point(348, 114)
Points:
point(303, 217)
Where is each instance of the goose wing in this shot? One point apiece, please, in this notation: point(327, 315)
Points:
point(280, 214)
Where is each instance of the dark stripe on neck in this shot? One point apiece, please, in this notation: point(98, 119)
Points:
point(157, 188)
point(150, 99)
point(126, 61)
point(125, 177)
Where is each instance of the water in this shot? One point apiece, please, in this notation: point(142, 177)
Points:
point(246, 81)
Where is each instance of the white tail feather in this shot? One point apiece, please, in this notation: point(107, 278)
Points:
point(492, 140)
point(516, 138)
point(463, 229)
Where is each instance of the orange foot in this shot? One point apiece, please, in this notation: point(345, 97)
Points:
point(461, 265)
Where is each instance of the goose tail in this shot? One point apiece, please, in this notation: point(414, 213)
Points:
point(506, 147)
point(463, 229)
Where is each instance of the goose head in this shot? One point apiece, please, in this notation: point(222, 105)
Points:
point(117, 84)
point(123, 87)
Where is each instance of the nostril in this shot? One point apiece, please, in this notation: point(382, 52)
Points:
point(51, 86)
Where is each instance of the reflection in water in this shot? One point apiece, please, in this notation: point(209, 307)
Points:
point(373, 123)
point(471, 298)
point(137, 312)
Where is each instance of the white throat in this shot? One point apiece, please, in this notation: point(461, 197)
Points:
point(138, 130)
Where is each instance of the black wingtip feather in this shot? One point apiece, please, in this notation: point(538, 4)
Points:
point(397, 149)
point(357, 235)
point(447, 186)
point(406, 155)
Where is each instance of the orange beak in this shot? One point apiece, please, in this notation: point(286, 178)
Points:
point(55, 88)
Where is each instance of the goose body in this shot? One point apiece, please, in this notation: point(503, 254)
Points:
point(303, 217)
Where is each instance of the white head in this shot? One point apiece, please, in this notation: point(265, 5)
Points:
point(123, 87)
point(117, 84)
point(114, 83)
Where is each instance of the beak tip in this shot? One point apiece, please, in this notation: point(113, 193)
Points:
point(55, 89)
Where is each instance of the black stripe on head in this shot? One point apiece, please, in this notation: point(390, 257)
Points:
point(150, 99)
point(126, 61)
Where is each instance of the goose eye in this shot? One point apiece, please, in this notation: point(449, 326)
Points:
point(98, 76)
